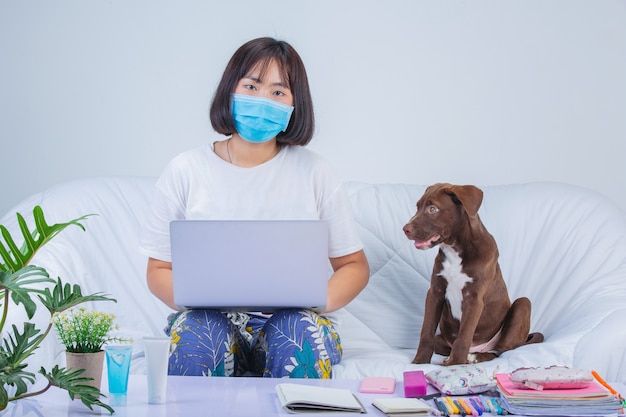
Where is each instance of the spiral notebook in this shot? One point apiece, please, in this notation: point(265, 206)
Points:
point(250, 265)
point(300, 398)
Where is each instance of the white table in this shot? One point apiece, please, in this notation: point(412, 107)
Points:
point(186, 396)
point(193, 396)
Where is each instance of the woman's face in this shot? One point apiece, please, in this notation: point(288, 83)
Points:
point(271, 86)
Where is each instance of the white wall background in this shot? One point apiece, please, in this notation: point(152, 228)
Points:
point(482, 92)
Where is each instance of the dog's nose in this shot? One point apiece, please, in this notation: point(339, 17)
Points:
point(407, 230)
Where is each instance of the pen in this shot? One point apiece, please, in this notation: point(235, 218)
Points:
point(460, 407)
point(453, 407)
point(466, 407)
point(441, 406)
point(604, 383)
point(486, 405)
point(476, 403)
point(430, 396)
point(504, 412)
point(435, 411)
point(472, 407)
point(449, 409)
point(495, 406)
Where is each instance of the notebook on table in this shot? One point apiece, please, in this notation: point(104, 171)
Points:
point(250, 265)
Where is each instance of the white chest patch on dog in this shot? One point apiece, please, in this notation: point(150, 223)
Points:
point(451, 272)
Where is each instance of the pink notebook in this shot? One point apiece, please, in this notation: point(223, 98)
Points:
point(508, 388)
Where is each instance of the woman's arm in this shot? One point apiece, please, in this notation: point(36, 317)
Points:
point(351, 275)
point(160, 283)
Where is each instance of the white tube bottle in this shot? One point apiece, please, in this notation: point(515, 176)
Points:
point(157, 355)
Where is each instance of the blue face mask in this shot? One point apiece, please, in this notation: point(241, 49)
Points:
point(259, 119)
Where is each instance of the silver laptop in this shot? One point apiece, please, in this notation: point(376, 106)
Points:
point(250, 265)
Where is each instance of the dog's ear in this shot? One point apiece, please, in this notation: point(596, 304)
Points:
point(469, 196)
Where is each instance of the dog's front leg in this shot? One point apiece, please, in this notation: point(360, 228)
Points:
point(432, 314)
point(472, 309)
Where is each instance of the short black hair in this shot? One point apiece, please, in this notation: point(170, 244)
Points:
point(263, 51)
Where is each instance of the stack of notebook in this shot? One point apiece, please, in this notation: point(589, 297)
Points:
point(597, 399)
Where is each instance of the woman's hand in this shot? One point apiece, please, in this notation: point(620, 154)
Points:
point(351, 275)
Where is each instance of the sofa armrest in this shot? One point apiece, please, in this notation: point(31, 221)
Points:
point(612, 357)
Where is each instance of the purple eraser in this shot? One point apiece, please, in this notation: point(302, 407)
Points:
point(415, 384)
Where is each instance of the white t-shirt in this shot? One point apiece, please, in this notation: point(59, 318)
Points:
point(296, 184)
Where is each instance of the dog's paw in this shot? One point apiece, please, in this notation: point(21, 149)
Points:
point(481, 357)
point(449, 361)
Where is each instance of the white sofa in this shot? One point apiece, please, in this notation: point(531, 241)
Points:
point(564, 247)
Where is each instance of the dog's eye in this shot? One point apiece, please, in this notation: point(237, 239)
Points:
point(432, 209)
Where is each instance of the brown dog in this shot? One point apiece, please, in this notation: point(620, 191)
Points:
point(467, 297)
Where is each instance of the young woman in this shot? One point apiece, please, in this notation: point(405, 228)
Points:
point(260, 171)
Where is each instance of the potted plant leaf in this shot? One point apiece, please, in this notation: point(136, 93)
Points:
point(27, 286)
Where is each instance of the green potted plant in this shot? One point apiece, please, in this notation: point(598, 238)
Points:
point(28, 286)
point(84, 333)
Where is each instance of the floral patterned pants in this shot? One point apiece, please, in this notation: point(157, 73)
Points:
point(291, 343)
